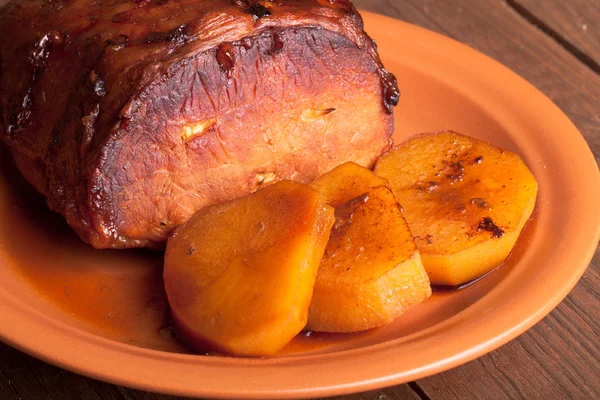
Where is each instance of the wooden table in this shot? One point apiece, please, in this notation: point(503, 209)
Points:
point(555, 45)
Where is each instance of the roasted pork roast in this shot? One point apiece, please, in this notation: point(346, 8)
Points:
point(131, 115)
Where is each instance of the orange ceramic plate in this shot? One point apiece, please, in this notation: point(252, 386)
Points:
point(103, 313)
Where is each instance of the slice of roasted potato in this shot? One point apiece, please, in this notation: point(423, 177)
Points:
point(371, 272)
point(239, 275)
point(465, 201)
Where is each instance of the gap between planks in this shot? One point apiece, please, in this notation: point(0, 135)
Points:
point(557, 37)
point(419, 391)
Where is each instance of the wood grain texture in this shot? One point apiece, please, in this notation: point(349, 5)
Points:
point(558, 358)
point(25, 378)
point(32, 379)
point(577, 22)
point(404, 392)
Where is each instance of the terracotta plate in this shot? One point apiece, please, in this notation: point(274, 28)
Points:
point(103, 313)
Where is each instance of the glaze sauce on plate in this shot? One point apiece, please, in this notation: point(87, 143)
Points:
point(119, 294)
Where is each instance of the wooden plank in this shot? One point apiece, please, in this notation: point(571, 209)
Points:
point(131, 394)
point(23, 377)
point(7, 391)
point(403, 392)
point(20, 377)
point(559, 357)
point(574, 23)
point(33, 379)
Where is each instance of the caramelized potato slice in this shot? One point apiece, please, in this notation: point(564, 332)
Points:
point(239, 275)
point(465, 201)
point(371, 272)
point(345, 182)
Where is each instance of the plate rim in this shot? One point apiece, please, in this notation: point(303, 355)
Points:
point(45, 347)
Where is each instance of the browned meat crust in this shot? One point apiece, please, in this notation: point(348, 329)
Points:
point(129, 116)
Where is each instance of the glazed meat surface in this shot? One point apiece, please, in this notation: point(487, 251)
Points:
point(129, 116)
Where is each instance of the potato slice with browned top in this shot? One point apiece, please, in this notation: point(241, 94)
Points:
point(345, 182)
point(371, 272)
point(465, 201)
point(239, 275)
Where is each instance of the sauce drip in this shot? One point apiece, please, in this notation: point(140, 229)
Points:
point(226, 58)
point(247, 43)
point(277, 45)
point(389, 83)
point(391, 93)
